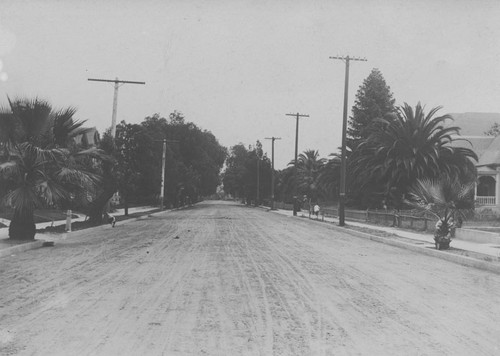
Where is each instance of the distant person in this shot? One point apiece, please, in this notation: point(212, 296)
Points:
point(296, 206)
point(316, 211)
point(111, 219)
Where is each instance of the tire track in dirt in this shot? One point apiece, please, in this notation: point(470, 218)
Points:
point(366, 295)
point(240, 281)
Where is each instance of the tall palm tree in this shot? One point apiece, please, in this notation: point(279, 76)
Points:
point(309, 166)
point(37, 169)
point(329, 176)
point(407, 146)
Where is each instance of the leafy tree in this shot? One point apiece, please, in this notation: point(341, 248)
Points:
point(240, 176)
point(373, 100)
point(285, 182)
point(407, 146)
point(109, 181)
point(39, 166)
point(133, 150)
point(193, 161)
point(234, 177)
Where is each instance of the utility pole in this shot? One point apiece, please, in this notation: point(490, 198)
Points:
point(297, 115)
point(163, 163)
point(115, 97)
point(272, 168)
point(346, 59)
point(258, 181)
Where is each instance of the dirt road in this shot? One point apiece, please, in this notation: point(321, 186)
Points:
point(240, 281)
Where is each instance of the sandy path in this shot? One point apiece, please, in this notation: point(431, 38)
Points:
point(241, 281)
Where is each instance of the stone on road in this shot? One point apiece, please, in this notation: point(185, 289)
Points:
point(240, 281)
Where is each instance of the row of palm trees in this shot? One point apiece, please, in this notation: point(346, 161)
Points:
point(40, 163)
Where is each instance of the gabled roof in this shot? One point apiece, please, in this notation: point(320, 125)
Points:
point(487, 148)
point(491, 156)
point(91, 137)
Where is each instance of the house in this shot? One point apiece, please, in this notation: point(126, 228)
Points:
point(89, 138)
point(487, 148)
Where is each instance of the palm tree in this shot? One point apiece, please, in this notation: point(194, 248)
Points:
point(329, 176)
point(405, 147)
point(36, 167)
point(446, 198)
point(309, 166)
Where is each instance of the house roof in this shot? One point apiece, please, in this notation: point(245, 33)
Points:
point(487, 148)
point(89, 135)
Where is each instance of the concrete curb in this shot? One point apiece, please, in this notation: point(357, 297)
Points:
point(462, 260)
point(21, 248)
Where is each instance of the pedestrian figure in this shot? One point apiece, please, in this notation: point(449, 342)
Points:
point(111, 219)
point(296, 206)
point(316, 211)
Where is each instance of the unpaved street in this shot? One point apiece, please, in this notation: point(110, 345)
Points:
point(240, 281)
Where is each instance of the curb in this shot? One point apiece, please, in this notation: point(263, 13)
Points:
point(462, 260)
point(21, 248)
point(39, 243)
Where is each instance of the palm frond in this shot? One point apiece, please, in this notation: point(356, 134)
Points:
point(34, 116)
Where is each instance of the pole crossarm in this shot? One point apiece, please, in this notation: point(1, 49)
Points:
point(115, 97)
point(115, 81)
point(297, 116)
point(346, 60)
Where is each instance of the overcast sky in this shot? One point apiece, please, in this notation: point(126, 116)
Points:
point(236, 68)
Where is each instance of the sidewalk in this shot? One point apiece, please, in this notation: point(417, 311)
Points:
point(8, 247)
point(420, 242)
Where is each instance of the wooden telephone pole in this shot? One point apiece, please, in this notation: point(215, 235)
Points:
point(346, 59)
point(163, 166)
point(272, 168)
point(115, 97)
point(297, 115)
